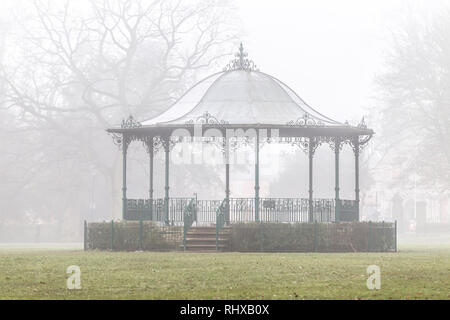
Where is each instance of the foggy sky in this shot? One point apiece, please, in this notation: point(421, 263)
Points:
point(327, 51)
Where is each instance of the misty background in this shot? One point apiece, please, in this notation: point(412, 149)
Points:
point(71, 69)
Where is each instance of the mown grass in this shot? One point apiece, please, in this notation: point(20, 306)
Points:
point(41, 274)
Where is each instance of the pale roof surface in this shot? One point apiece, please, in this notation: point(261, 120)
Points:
point(241, 95)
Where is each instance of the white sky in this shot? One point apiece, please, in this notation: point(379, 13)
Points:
point(326, 51)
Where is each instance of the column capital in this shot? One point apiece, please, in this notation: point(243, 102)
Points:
point(166, 143)
point(336, 144)
point(358, 143)
point(152, 144)
point(313, 143)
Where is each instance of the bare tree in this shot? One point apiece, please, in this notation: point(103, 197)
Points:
point(415, 117)
point(81, 66)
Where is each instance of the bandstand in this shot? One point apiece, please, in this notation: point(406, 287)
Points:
point(241, 105)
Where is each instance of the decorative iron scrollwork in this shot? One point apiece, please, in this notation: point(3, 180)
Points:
point(168, 142)
point(130, 123)
point(152, 144)
point(336, 143)
point(305, 142)
point(305, 121)
point(207, 118)
point(122, 140)
point(313, 144)
point(362, 124)
point(239, 141)
point(358, 143)
point(241, 62)
point(301, 142)
point(117, 139)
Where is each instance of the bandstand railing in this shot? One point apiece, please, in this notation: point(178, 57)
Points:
point(242, 210)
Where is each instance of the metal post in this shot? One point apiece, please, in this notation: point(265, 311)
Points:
point(185, 228)
point(337, 146)
point(217, 233)
point(166, 194)
point(124, 175)
point(310, 202)
point(150, 191)
point(395, 235)
point(316, 240)
point(112, 234)
point(85, 235)
point(257, 177)
point(356, 151)
point(261, 236)
point(227, 181)
point(184, 235)
point(140, 233)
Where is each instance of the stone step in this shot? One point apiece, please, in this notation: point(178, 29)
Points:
point(205, 234)
point(204, 247)
point(203, 239)
point(208, 229)
point(196, 240)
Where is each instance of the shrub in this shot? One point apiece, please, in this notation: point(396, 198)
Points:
point(126, 236)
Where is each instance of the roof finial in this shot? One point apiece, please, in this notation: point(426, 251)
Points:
point(362, 124)
point(241, 62)
point(241, 54)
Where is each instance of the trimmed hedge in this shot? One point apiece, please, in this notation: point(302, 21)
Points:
point(251, 237)
point(126, 236)
point(310, 237)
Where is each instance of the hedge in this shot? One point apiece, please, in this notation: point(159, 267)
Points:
point(126, 236)
point(250, 237)
point(311, 237)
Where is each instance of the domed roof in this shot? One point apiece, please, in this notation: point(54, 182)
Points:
point(241, 95)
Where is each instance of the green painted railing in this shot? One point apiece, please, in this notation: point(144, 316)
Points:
point(243, 210)
point(220, 220)
point(189, 216)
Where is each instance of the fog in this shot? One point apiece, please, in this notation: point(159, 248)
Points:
point(71, 69)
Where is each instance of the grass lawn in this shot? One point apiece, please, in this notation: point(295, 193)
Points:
point(412, 273)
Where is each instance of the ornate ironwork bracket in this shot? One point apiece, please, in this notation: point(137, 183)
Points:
point(152, 143)
point(301, 142)
point(167, 142)
point(304, 142)
point(336, 143)
point(241, 141)
point(305, 121)
point(241, 62)
point(359, 143)
point(313, 144)
point(122, 140)
point(117, 139)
